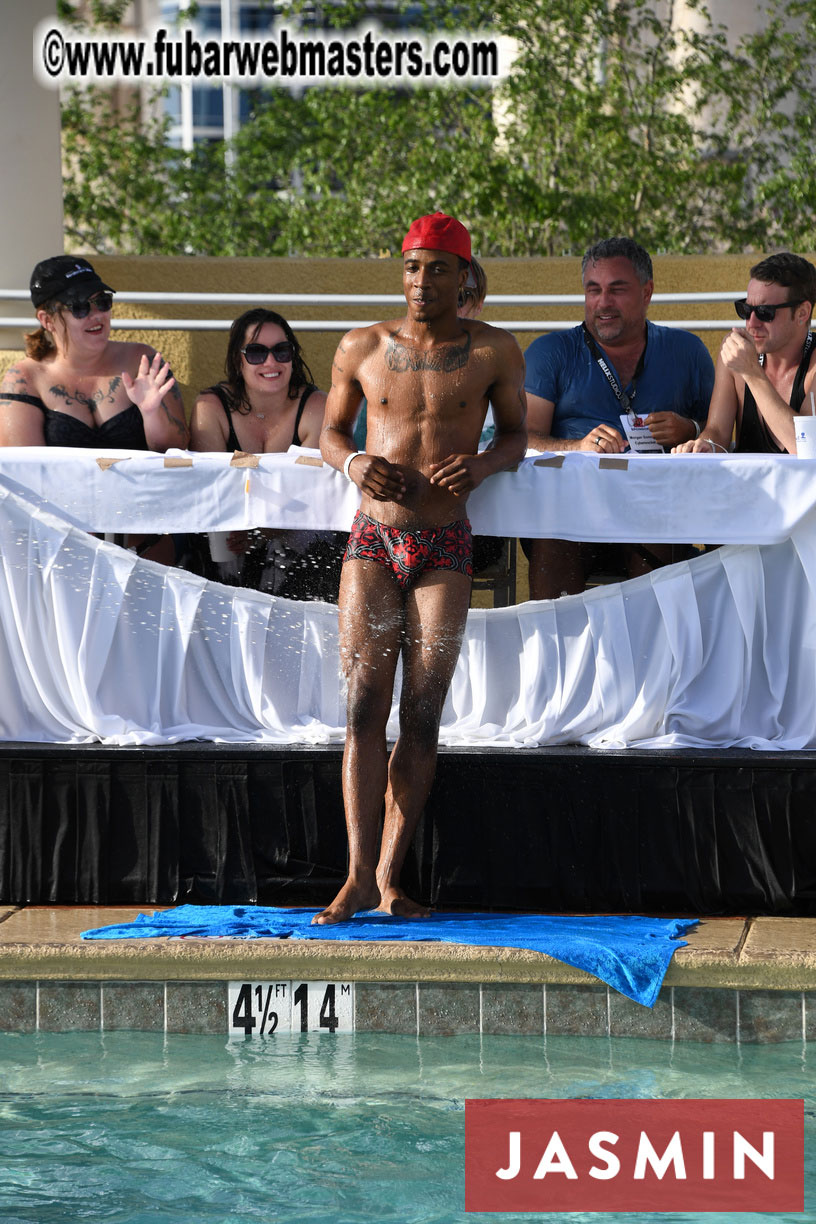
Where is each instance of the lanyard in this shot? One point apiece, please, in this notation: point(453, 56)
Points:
point(623, 399)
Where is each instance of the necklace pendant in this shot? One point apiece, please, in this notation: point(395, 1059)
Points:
point(261, 416)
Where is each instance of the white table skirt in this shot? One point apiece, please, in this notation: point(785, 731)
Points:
point(98, 645)
point(752, 499)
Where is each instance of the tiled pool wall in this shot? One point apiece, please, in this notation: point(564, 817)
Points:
point(682, 1012)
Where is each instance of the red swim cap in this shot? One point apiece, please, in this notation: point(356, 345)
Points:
point(438, 233)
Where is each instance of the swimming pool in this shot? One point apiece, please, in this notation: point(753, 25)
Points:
point(131, 1128)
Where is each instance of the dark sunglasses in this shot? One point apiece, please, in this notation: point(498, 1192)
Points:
point(765, 314)
point(256, 354)
point(102, 301)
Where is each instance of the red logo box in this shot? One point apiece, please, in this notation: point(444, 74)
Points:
point(673, 1155)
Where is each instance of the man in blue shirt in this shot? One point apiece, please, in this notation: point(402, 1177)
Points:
point(581, 382)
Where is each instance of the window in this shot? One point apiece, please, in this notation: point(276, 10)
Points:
point(208, 106)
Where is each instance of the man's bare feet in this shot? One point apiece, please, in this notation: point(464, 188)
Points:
point(349, 901)
point(355, 897)
point(394, 901)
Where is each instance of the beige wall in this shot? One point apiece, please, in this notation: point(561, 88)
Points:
point(31, 198)
point(197, 358)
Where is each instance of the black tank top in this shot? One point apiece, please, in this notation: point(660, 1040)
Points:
point(125, 431)
point(754, 435)
point(232, 438)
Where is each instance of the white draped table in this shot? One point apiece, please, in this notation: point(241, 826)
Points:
point(751, 499)
point(97, 644)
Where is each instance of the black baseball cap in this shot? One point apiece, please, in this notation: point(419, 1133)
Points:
point(65, 278)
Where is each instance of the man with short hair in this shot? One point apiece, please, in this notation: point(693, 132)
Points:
point(766, 369)
point(405, 586)
point(615, 367)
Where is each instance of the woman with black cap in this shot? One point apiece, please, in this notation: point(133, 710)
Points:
point(76, 386)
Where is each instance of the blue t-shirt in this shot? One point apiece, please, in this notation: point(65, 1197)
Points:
point(677, 376)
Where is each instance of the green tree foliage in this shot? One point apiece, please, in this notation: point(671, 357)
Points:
point(118, 176)
point(97, 12)
point(614, 119)
point(762, 100)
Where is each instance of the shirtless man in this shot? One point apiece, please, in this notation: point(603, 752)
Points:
point(405, 588)
point(765, 370)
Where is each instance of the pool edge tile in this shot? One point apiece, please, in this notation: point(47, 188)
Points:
point(630, 1019)
point(385, 1007)
point(137, 1006)
point(196, 1007)
point(18, 1007)
point(65, 1007)
point(577, 1011)
point(502, 1004)
point(703, 1014)
point(768, 1016)
point(448, 1009)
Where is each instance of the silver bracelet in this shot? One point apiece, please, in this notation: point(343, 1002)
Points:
point(348, 462)
point(697, 428)
point(714, 446)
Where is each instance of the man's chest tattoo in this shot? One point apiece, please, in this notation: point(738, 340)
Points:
point(445, 360)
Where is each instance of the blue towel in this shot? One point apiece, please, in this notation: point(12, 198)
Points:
point(629, 953)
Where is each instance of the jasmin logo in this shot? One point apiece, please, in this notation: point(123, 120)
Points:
point(615, 1155)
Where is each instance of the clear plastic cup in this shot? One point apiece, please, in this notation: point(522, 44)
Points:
point(218, 546)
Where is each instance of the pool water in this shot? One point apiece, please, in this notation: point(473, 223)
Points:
point(136, 1128)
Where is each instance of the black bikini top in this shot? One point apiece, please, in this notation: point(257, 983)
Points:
point(232, 438)
point(125, 431)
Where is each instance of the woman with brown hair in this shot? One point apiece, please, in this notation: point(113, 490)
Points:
point(473, 293)
point(76, 386)
point(268, 402)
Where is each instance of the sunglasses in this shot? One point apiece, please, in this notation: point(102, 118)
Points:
point(765, 314)
point(256, 354)
point(102, 301)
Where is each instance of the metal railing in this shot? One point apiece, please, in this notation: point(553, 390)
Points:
point(366, 299)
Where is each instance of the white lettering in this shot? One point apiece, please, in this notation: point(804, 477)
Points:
point(611, 1161)
point(672, 1155)
point(555, 1160)
point(763, 1161)
point(514, 1166)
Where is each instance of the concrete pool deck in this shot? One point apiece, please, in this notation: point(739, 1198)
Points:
point(39, 942)
point(749, 979)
